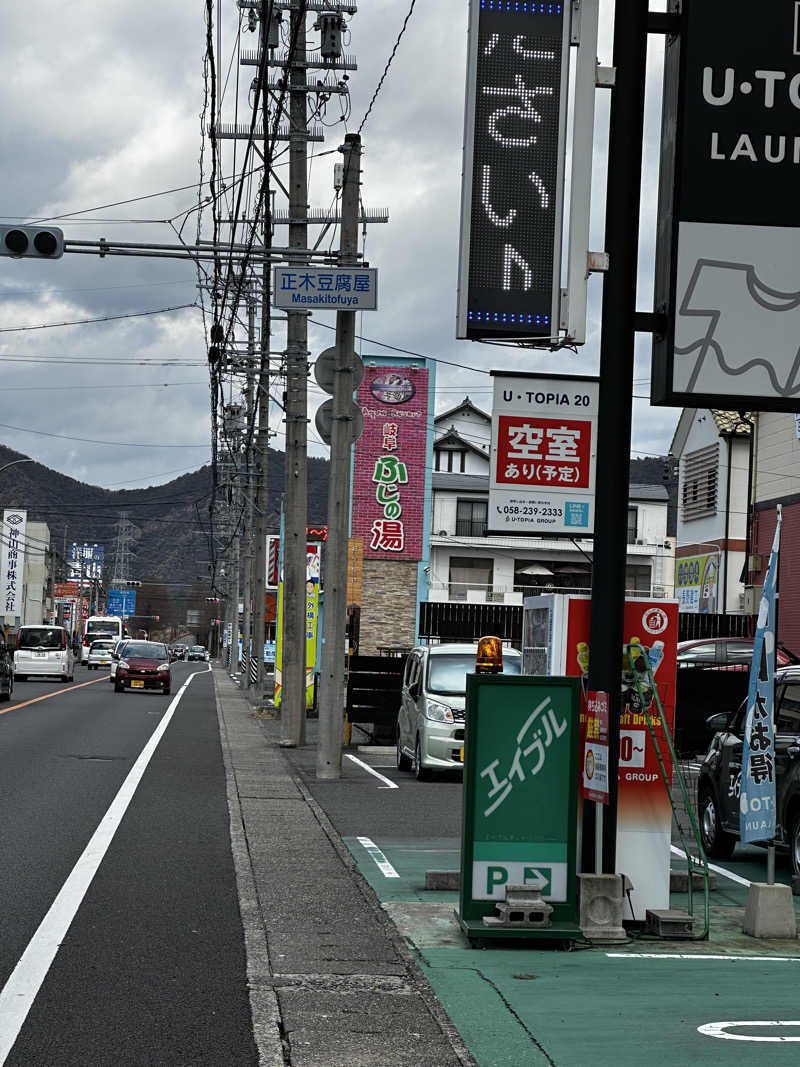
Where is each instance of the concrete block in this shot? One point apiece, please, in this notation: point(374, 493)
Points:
point(443, 880)
point(679, 881)
point(601, 906)
point(770, 911)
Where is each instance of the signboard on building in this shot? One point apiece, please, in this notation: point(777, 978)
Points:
point(390, 460)
point(85, 561)
point(728, 252)
point(12, 560)
point(544, 450)
point(696, 580)
point(513, 173)
point(325, 288)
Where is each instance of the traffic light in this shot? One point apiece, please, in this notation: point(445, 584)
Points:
point(37, 242)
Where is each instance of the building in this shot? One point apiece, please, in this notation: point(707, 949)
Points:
point(713, 452)
point(466, 565)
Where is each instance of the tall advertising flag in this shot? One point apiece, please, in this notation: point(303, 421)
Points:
point(757, 795)
point(13, 560)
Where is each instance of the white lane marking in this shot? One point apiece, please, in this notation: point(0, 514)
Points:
point(389, 783)
point(720, 1030)
point(20, 991)
point(713, 867)
point(383, 865)
point(701, 956)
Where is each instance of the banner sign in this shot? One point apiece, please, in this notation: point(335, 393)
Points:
point(594, 781)
point(85, 560)
point(728, 248)
point(757, 796)
point(513, 173)
point(544, 450)
point(389, 463)
point(12, 560)
point(696, 583)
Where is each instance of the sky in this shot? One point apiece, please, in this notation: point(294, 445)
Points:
point(102, 124)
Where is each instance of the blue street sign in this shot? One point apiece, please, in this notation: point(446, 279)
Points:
point(121, 602)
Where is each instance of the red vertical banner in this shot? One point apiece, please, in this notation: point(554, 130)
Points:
point(389, 464)
point(595, 748)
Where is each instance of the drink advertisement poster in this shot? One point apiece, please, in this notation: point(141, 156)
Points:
point(644, 815)
point(595, 747)
point(544, 453)
point(389, 469)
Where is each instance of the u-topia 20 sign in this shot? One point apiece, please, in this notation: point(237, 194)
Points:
point(513, 179)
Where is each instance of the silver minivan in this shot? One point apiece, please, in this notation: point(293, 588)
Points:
point(43, 650)
point(430, 724)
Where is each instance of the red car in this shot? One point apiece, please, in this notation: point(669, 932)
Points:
point(143, 665)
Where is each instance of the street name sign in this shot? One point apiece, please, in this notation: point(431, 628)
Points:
point(728, 248)
point(543, 455)
point(325, 288)
point(513, 170)
point(121, 602)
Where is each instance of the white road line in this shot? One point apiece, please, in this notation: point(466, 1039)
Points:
point(383, 865)
point(389, 783)
point(20, 991)
point(698, 955)
point(720, 1030)
point(713, 867)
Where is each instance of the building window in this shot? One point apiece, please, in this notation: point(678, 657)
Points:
point(468, 573)
point(699, 487)
point(451, 460)
point(471, 516)
point(637, 578)
point(632, 516)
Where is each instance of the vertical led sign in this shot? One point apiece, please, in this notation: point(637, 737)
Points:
point(513, 178)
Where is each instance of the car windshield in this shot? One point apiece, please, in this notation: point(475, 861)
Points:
point(447, 673)
point(197, 648)
point(142, 650)
point(40, 637)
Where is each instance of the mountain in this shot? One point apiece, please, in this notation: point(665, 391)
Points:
point(171, 542)
point(659, 470)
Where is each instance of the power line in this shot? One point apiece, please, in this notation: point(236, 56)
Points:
point(95, 441)
point(388, 64)
point(105, 318)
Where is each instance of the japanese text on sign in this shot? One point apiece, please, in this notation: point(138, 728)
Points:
point(530, 754)
point(338, 287)
point(543, 451)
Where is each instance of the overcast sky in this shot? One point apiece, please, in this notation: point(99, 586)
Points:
point(102, 104)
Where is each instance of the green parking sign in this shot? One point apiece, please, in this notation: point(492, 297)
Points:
point(520, 799)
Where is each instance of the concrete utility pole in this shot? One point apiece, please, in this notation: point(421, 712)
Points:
point(247, 617)
point(262, 401)
point(331, 708)
point(293, 698)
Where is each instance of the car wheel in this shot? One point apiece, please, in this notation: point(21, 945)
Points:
point(166, 690)
point(20, 677)
point(7, 694)
point(419, 771)
point(716, 842)
point(403, 761)
point(794, 841)
point(119, 688)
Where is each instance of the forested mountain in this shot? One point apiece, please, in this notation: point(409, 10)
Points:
point(659, 470)
point(172, 519)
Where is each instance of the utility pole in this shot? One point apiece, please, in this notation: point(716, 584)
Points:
point(262, 397)
point(293, 698)
point(331, 709)
point(247, 617)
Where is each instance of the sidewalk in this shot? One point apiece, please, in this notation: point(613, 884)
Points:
point(331, 981)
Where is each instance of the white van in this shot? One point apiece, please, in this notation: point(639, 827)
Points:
point(43, 650)
point(100, 626)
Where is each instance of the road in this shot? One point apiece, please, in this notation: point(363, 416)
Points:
point(151, 969)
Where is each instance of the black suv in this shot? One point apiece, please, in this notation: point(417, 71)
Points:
point(720, 778)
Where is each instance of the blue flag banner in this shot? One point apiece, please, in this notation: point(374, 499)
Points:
point(757, 797)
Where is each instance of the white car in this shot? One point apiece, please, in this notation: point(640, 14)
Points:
point(100, 654)
point(43, 650)
point(115, 653)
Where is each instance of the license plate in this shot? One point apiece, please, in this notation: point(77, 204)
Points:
point(103, 662)
point(41, 655)
point(137, 684)
point(461, 756)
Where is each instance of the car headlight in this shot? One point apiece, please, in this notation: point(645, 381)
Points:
point(162, 667)
point(438, 712)
point(123, 663)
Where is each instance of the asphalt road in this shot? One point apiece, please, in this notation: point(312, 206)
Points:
point(152, 968)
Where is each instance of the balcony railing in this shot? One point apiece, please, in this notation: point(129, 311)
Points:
point(471, 592)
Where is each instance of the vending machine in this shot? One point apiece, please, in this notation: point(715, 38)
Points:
point(555, 641)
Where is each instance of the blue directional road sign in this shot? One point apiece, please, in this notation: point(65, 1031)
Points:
point(122, 602)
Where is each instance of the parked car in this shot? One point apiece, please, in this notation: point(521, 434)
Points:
point(43, 650)
point(197, 652)
point(430, 724)
point(726, 653)
point(6, 667)
point(720, 778)
point(143, 665)
point(100, 654)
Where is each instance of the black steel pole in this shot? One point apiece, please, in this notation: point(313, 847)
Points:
point(616, 381)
